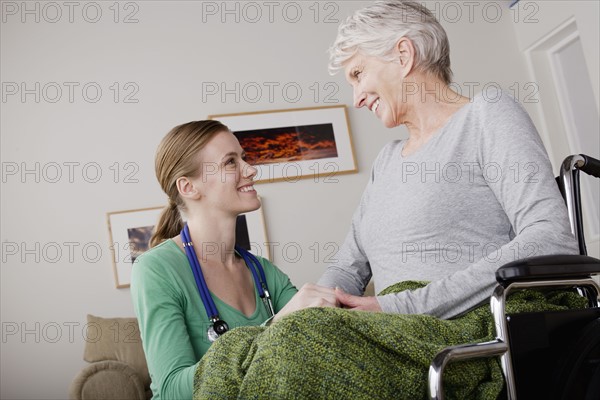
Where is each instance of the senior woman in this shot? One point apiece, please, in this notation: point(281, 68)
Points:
point(469, 190)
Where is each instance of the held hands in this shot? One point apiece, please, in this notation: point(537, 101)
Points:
point(310, 295)
point(366, 303)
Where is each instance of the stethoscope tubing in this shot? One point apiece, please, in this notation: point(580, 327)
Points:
point(207, 300)
point(209, 304)
point(254, 265)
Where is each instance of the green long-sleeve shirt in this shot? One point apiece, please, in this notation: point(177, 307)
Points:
point(173, 321)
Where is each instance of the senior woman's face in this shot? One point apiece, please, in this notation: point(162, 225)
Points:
point(377, 85)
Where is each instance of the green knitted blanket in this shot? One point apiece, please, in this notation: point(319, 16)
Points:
point(330, 353)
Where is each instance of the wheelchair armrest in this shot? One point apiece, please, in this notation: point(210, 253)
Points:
point(456, 353)
point(559, 266)
point(590, 166)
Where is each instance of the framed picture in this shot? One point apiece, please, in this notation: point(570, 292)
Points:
point(297, 143)
point(130, 232)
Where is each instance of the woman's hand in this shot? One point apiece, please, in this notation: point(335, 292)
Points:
point(366, 303)
point(310, 295)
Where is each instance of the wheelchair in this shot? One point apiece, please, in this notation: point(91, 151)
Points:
point(553, 354)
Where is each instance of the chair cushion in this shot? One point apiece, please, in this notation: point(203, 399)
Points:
point(116, 339)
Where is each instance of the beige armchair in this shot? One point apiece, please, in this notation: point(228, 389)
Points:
point(117, 368)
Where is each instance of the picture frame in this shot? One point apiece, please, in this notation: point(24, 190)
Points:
point(129, 236)
point(130, 232)
point(293, 144)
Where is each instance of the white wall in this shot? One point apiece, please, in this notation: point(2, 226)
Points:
point(168, 54)
point(537, 19)
point(538, 30)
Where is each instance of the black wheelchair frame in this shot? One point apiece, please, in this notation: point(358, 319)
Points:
point(549, 355)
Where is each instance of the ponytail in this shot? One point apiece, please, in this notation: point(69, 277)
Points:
point(169, 225)
point(177, 156)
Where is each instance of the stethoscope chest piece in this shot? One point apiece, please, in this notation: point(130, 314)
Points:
point(212, 335)
point(218, 328)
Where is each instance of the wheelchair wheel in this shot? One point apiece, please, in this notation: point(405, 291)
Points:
point(578, 375)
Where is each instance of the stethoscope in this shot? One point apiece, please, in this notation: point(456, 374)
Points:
point(219, 326)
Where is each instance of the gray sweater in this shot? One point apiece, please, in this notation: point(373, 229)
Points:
point(479, 194)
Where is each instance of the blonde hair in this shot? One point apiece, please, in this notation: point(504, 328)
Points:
point(375, 30)
point(177, 157)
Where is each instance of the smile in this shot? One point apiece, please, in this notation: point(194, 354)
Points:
point(375, 105)
point(248, 188)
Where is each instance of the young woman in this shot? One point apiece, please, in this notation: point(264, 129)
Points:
point(194, 284)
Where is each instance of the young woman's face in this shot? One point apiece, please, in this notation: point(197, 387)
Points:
point(225, 180)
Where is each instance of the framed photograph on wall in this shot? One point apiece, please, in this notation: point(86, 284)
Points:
point(296, 143)
point(130, 232)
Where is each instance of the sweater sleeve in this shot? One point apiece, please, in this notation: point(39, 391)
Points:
point(352, 271)
point(159, 308)
point(516, 168)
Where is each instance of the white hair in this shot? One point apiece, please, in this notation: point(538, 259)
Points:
point(375, 30)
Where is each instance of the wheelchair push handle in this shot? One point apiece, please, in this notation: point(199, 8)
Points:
point(590, 166)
